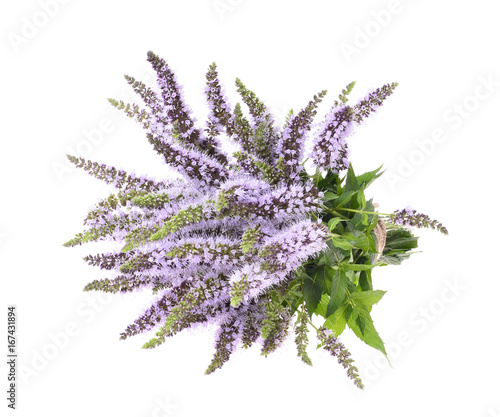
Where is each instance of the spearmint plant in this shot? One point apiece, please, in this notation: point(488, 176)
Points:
point(248, 242)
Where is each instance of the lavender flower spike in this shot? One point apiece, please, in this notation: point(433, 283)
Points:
point(291, 144)
point(279, 254)
point(330, 145)
point(331, 344)
point(409, 217)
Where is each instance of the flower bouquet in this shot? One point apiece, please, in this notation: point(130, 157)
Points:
point(248, 241)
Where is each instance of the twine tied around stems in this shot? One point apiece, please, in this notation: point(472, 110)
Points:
point(381, 235)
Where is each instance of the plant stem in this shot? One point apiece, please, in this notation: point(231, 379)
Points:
point(337, 214)
point(332, 235)
point(366, 212)
point(311, 323)
point(359, 256)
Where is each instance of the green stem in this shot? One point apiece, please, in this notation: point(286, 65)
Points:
point(332, 235)
point(336, 213)
point(359, 256)
point(304, 311)
point(365, 212)
point(311, 323)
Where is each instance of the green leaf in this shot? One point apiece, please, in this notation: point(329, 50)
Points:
point(337, 292)
point(398, 245)
point(323, 303)
point(361, 322)
point(351, 182)
point(393, 258)
point(353, 277)
point(361, 200)
point(369, 335)
point(367, 178)
point(360, 220)
point(342, 199)
point(372, 218)
point(371, 241)
point(357, 239)
point(329, 196)
point(332, 256)
point(333, 222)
point(337, 321)
point(367, 298)
point(365, 281)
point(358, 267)
point(348, 311)
point(313, 288)
point(295, 302)
point(399, 239)
point(329, 182)
point(337, 254)
point(341, 243)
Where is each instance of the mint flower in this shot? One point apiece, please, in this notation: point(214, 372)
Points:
point(409, 217)
point(331, 344)
point(248, 241)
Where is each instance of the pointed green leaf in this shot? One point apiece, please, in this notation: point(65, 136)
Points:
point(361, 322)
point(336, 254)
point(369, 335)
point(399, 239)
point(372, 248)
point(358, 240)
point(367, 178)
point(323, 303)
point(342, 199)
point(367, 298)
point(341, 243)
point(360, 221)
point(393, 258)
point(333, 222)
point(365, 281)
point(372, 218)
point(351, 182)
point(328, 183)
point(313, 288)
point(358, 267)
point(338, 291)
point(337, 321)
point(348, 312)
point(329, 196)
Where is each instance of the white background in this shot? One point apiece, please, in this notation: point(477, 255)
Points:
point(439, 317)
